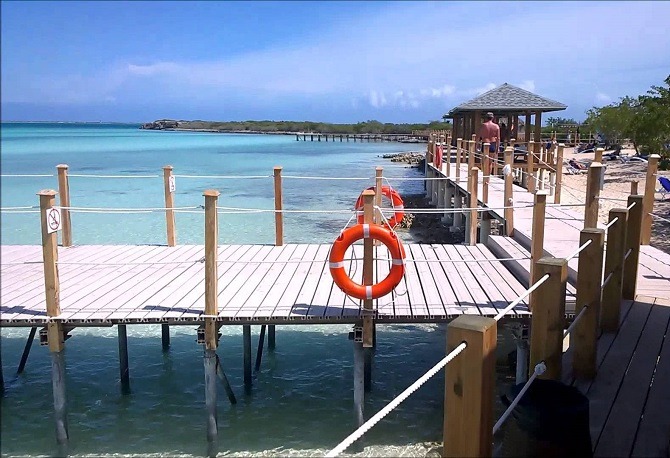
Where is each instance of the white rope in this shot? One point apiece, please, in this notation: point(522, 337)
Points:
point(146, 263)
point(131, 209)
point(524, 295)
point(224, 177)
point(19, 208)
point(299, 177)
point(611, 223)
point(81, 175)
point(574, 322)
point(540, 368)
point(19, 263)
point(607, 280)
point(19, 211)
point(612, 198)
point(365, 427)
point(660, 217)
point(25, 175)
point(631, 206)
point(630, 250)
point(579, 250)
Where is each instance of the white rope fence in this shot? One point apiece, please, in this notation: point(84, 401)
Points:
point(365, 427)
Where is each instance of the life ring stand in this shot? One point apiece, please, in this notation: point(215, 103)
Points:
point(396, 201)
point(365, 231)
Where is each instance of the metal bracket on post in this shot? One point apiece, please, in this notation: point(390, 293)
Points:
point(44, 335)
point(201, 334)
point(357, 334)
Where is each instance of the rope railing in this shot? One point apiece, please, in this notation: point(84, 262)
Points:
point(365, 427)
point(540, 368)
point(223, 177)
point(85, 175)
point(521, 297)
point(659, 217)
point(579, 250)
point(26, 175)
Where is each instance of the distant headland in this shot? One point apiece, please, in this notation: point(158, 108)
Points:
point(292, 127)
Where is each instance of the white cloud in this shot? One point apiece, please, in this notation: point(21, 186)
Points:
point(377, 99)
point(439, 92)
point(528, 85)
point(601, 97)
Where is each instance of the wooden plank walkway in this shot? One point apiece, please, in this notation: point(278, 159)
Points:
point(105, 285)
point(561, 234)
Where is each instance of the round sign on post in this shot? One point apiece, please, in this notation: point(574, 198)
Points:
point(53, 219)
point(172, 183)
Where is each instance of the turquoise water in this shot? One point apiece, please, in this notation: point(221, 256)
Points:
point(302, 399)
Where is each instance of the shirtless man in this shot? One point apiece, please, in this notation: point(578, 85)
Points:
point(489, 132)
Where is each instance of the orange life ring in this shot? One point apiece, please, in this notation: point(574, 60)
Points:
point(396, 201)
point(345, 240)
point(438, 157)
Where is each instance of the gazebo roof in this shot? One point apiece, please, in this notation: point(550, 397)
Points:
point(507, 98)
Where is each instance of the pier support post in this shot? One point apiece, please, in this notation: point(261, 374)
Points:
point(648, 206)
point(458, 215)
point(271, 337)
point(259, 350)
point(459, 148)
point(54, 327)
point(633, 237)
point(486, 172)
point(26, 350)
point(537, 235)
point(593, 185)
point(614, 264)
point(589, 294)
point(246, 342)
point(165, 336)
point(64, 197)
point(522, 356)
point(469, 387)
point(2, 378)
point(169, 188)
point(211, 312)
point(548, 319)
point(124, 372)
point(359, 382)
point(447, 216)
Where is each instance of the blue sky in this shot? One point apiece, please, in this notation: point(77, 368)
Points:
point(325, 61)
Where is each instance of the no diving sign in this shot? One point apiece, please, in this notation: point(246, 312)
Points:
point(53, 219)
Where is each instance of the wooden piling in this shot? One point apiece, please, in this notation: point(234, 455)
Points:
point(246, 341)
point(508, 200)
point(648, 202)
point(469, 387)
point(614, 264)
point(593, 184)
point(537, 236)
point(530, 167)
point(211, 310)
point(447, 150)
point(169, 205)
point(54, 327)
point(259, 349)
point(486, 172)
point(368, 279)
point(26, 350)
point(124, 371)
point(459, 147)
point(471, 154)
point(589, 293)
point(64, 198)
point(473, 203)
point(559, 173)
point(279, 206)
point(548, 319)
point(633, 237)
point(165, 336)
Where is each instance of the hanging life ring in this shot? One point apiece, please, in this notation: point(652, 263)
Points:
point(437, 161)
point(396, 202)
point(365, 231)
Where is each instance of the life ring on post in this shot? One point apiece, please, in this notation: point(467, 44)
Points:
point(396, 201)
point(437, 161)
point(365, 231)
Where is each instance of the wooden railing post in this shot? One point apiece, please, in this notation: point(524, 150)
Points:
point(537, 235)
point(469, 387)
point(211, 276)
point(168, 186)
point(559, 173)
point(598, 157)
point(64, 197)
point(589, 293)
point(279, 206)
point(508, 199)
point(473, 203)
point(633, 236)
point(368, 266)
point(593, 184)
point(55, 335)
point(377, 215)
point(633, 187)
point(447, 151)
point(648, 206)
point(548, 320)
point(486, 172)
point(472, 150)
point(530, 167)
point(614, 264)
point(459, 147)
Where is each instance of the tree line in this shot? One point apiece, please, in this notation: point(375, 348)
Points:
point(366, 127)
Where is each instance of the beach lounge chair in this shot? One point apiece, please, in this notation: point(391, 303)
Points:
point(575, 168)
point(665, 187)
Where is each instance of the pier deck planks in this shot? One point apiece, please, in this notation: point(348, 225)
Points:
point(104, 284)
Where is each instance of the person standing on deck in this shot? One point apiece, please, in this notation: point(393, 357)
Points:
point(489, 132)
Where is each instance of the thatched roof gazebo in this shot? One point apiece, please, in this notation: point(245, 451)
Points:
point(507, 103)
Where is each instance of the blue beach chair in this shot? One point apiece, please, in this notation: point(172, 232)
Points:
point(665, 186)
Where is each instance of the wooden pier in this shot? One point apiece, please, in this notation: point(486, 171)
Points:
point(418, 137)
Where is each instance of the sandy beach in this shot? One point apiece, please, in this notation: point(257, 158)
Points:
point(618, 178)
